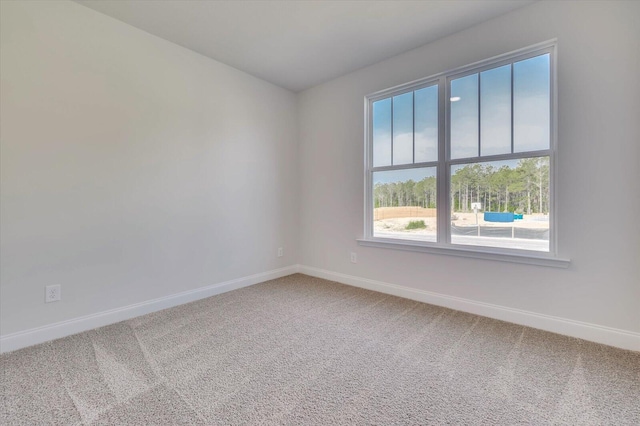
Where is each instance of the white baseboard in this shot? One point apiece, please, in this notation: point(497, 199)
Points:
point(22, 339)
point(600, 334)
point(595, 333)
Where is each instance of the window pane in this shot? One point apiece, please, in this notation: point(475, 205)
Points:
point(464, 117)
point(531, 104)
point(511, 200)
point(426, 124)
point(403, 129)
point(382, 133)
point(495, 108)
point(404, 204)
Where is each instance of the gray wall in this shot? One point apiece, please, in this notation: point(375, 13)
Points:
point(598, 180)
point(132, 168)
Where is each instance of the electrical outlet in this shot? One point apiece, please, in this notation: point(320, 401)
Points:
point(52, 293)
point(354, 257)
point(280, 252)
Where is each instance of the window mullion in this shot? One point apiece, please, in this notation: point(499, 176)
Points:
point(442, 193)
point(413, 130)
point(479, 118)
point(501, 157)
point(392, 130)
point(368, 192)
point(512, 108)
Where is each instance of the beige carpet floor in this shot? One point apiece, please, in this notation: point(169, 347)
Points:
point(301, 350)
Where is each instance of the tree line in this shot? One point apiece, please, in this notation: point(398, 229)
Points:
point(523, 189)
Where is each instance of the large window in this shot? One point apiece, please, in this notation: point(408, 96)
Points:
point(465, 160)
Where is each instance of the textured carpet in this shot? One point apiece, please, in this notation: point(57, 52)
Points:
point(301, 350)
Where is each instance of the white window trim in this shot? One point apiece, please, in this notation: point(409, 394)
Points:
point(444, 245)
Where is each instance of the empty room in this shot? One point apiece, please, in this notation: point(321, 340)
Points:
point(319, 212)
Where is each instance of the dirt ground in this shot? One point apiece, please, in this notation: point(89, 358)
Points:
point(459, 219)
point(399, 225)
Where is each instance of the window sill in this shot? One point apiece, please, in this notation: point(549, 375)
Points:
point(526, 257)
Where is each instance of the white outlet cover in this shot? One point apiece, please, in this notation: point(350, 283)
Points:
point(354, 257)
point(52, 293)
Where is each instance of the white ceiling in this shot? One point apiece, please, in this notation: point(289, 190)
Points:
point(299, 44)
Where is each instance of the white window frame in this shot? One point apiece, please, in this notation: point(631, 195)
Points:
point(444, 163)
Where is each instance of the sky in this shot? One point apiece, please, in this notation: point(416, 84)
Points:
point(403, 175)
point(426, 128)
point(478, 126)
